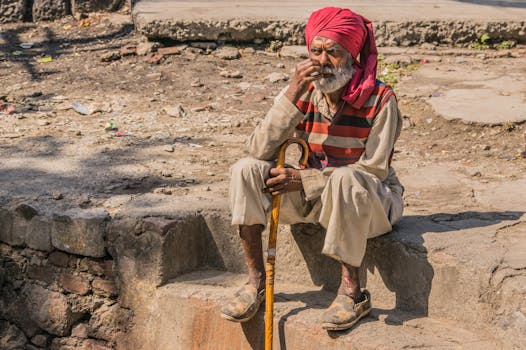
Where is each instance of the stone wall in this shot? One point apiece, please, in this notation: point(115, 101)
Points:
point(58, 284)
point(46, 10)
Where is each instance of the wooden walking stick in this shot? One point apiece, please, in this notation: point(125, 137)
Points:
point(271, 252)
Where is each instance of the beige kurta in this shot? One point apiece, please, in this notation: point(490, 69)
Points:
point(352, 202)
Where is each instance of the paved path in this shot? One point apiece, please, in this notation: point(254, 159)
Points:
point(392, 10)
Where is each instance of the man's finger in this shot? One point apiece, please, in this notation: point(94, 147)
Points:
point(276, 180)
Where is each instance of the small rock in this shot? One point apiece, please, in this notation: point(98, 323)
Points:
point(153, 58)
point(275, 77)
point(294, 51)
point(249, 50)
point(227, 53)
point(166, 173)
point(110, 56)
point(476, 174)
point(165, 135)
point(204, 45)
point(57, 195)
point(168, 148)
point(231, 74)
point(154, 76)
point(145, 48)
point(175, 111)
point(172, 50)
point(280, 65)
point(486, 147)
point(128, 50)
point(196, 83)
point(80, 331)
point(202, 108)
point(40, 340)
point(43, 122)
point(210, 173)
point(81, 108)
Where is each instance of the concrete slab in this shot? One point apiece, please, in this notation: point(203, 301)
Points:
point(383, 10)
point(472, 90)
point(284, 20)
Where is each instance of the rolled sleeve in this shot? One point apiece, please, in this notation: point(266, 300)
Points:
point(277, 126)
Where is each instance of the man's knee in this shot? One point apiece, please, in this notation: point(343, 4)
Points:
point(249, 167)
point(344, 175)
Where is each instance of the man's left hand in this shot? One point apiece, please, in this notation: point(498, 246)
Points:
point(283, 180)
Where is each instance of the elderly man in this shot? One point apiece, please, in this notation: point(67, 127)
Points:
point(350, 121)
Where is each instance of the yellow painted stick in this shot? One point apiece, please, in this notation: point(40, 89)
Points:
point(271, 253)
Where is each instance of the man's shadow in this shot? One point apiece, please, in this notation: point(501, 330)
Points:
point(399, 258)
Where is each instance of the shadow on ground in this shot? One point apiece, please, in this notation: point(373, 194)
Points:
point(499, 3)
point(52, 45)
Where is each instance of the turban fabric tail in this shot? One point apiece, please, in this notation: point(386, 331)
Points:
point(355, 33)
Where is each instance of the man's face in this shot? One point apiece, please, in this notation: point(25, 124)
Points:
point(335, 62)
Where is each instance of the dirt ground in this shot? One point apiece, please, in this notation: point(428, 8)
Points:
point(174, 128)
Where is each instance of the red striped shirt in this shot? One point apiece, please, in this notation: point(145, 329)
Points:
point(342, 140)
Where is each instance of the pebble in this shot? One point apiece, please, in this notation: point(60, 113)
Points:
point(196, 83)
point(57, 195)
point(168, 148)
point(275, 77)
point(249, 50)
point(145, 48)
point(176, 111)
point(280, 65)
point(166, 173)
point(165, 135)
point(110, 56)
point(231, 74)
point(486, 147)
point(476, 174)
point(228, 53)
point(43, 122)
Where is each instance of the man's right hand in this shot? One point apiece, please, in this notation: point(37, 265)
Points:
point(302, 79)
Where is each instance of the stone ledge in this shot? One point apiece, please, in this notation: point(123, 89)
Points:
point(387, 33)
point(192, 302)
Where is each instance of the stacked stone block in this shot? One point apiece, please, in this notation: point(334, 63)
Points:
point(47, 10)
point(58, 286)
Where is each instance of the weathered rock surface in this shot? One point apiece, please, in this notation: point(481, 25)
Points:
point(47, 10)
point(50, 310)
point(11, 337)
point(12, 10)
point(80, 7)
point(80, 232)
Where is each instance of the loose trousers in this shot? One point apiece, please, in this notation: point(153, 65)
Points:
point(353, 206)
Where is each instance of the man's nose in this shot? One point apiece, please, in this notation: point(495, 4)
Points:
point(324, 58)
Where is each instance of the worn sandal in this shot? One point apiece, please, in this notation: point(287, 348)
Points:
point(343, 313)
point(243, 305)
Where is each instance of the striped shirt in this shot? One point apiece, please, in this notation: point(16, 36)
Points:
point(340, 140)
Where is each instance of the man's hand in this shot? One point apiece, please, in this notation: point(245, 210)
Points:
point(302, 78)
point(283, 180)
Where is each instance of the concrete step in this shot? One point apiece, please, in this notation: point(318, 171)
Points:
point(396, 23)
point(425, 260)
point(184, 314)
point(465, 267)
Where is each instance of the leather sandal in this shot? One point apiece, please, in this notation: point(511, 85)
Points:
point(243, 305)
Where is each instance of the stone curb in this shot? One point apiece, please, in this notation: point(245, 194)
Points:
point(387, 33)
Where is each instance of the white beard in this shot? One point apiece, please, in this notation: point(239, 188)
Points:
point(341, 76)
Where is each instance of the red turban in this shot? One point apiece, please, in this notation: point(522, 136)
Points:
point(355, 34)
